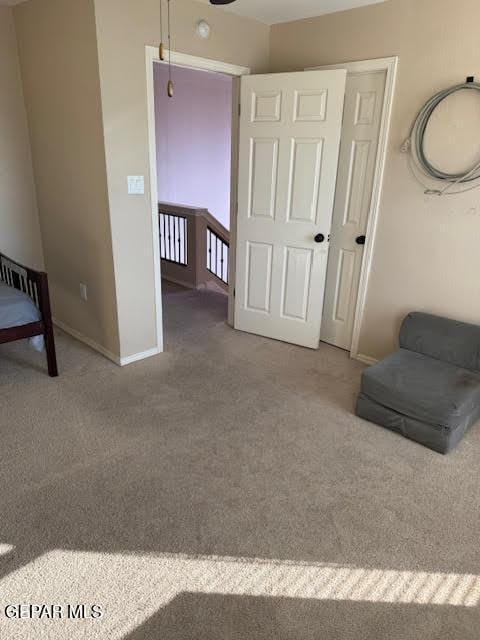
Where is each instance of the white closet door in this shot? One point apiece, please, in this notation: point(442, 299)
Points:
point(358, 152)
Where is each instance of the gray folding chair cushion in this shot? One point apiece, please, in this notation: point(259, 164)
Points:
point(437, 438)
point(429, 390)
point(425, 389)
point(443, 339)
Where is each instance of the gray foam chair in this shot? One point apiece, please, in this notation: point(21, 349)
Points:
point(429, 390)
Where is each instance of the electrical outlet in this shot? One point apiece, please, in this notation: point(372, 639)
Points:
point(83, 292)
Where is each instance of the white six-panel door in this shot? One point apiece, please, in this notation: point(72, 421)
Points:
point(290, 129)
point(364, 101)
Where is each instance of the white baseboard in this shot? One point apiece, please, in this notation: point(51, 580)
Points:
point(139, 356)
point(365, 359)
point(88, 341)
point(121, 362)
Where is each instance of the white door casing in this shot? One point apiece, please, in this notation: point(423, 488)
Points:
point(191, 62)
point(290, 129)
point(364, 102)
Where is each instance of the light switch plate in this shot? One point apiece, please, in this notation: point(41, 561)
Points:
point(136, 185)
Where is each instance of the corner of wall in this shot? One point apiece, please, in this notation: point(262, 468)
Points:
point(19, 224)
point(59, 59)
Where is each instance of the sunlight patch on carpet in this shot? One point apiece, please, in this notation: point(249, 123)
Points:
point(6, 549)
point(131, 588)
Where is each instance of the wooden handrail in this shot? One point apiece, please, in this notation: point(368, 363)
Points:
point(185, 210)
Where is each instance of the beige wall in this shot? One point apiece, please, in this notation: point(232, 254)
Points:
point(58, 54)
point(19, 225)
point(124, 27)
point(427, 249)
point(426, 253)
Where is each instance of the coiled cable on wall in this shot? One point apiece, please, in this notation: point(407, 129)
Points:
point(420, 164)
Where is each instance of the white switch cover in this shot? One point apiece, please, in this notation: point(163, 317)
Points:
point(136, 185)
point(83, 292)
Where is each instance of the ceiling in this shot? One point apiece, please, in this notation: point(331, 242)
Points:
point(275, 11)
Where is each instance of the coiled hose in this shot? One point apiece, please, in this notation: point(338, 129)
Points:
point(419, 161)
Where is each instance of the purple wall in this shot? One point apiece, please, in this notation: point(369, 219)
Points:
point(194, 133)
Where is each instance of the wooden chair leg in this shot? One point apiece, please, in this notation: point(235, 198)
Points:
point(51, 354)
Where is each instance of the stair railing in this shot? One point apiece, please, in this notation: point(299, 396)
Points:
point(194, 247)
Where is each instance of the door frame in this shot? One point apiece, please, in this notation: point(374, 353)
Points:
point(200, 64)
point(390, 65)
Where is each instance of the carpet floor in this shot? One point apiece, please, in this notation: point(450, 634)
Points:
point(224, 490)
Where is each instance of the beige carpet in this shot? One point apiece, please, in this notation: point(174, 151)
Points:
point(225, 490)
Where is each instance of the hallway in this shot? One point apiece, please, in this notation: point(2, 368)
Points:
point(190, 313)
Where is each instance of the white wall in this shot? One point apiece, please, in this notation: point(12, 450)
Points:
point(19, 224)
point(194, 134)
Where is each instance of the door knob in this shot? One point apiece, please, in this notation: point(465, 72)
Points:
point(319, 238)
point(360, 240)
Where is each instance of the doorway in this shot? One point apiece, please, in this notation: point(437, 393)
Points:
point(192, 140)
point(194, 150)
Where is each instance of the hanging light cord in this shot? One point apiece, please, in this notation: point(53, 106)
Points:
point(161, 48)
point(422, 168)
point(169, 44)
point(161, 23)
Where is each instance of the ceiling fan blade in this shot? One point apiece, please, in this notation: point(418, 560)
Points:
point(221, 1)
